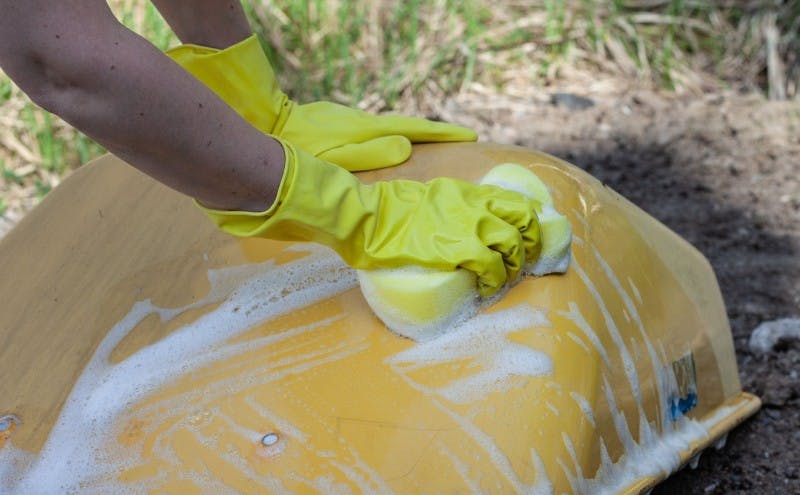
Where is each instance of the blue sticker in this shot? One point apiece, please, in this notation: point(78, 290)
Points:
point(684, 399)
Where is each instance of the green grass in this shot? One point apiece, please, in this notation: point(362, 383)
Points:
point(383, 55)
point(6, 89)
point(355, 50)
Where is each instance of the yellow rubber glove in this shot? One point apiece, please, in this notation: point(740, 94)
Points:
point(443, 224)
point(241, 75)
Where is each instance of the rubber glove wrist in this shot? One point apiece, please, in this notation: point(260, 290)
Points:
point(316, 202)
point(251, 223)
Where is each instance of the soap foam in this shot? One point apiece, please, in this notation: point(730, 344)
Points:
point(548, 263)
point(484, 341)
point(585, 407)
point(498, 364)
point(656, 452)
point(76, 456)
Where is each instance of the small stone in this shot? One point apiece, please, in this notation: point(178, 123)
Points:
point(769, 333)
point(571, 101)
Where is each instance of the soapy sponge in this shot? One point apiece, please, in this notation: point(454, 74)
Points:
point(421, 303)
point(418, 302)
point(556, 231)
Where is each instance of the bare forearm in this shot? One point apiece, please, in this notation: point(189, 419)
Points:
point(116, 87)
point(213, 23)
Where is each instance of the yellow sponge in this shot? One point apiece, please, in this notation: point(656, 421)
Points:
point(422, 303)
point(417, 302)
point(518, 178)
point(556, 231)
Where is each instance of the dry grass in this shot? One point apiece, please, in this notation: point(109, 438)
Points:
point(410, 56)
point(380, 54)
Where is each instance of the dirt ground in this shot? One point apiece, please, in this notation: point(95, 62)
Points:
point(723, 171)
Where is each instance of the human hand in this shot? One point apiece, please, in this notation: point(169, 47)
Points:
point(443, 224)
point(351, 138)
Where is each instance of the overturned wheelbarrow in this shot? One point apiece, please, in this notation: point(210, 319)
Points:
point(144, 351)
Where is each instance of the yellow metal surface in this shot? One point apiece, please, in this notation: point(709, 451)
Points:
point(164, 356)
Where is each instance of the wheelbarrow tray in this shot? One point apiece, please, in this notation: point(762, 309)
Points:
point(143, 350)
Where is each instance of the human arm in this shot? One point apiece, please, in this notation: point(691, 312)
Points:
point(212, 23)
point(76, 60)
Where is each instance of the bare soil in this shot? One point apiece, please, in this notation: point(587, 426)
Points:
point(723, 171)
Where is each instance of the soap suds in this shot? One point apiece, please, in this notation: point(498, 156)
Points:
point(627, 361)
point(461, 467)
point(551, 262)
point(472, 341)
point(655, 453)
point(483, 341)
point(322, 484)
point(579, 478)
point(582, 219)
point(661, 387)
point(104, 391)
point(575, 316)
point(635, 290)
point(363, 475)
point(659, 456)
point(768, 334)
point(452, 303)
point(585, 407)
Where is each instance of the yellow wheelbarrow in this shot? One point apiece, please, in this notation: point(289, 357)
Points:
point(143, 351)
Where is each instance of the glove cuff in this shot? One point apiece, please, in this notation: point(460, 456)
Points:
point(242, 76)
point(251, 223)
point(317, 201)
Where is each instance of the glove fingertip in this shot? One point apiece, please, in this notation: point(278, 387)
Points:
point(376, 153)
point(493, 276)
point(446, 132)
point(458, 133)
point(486, 290)
point(398, 148)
